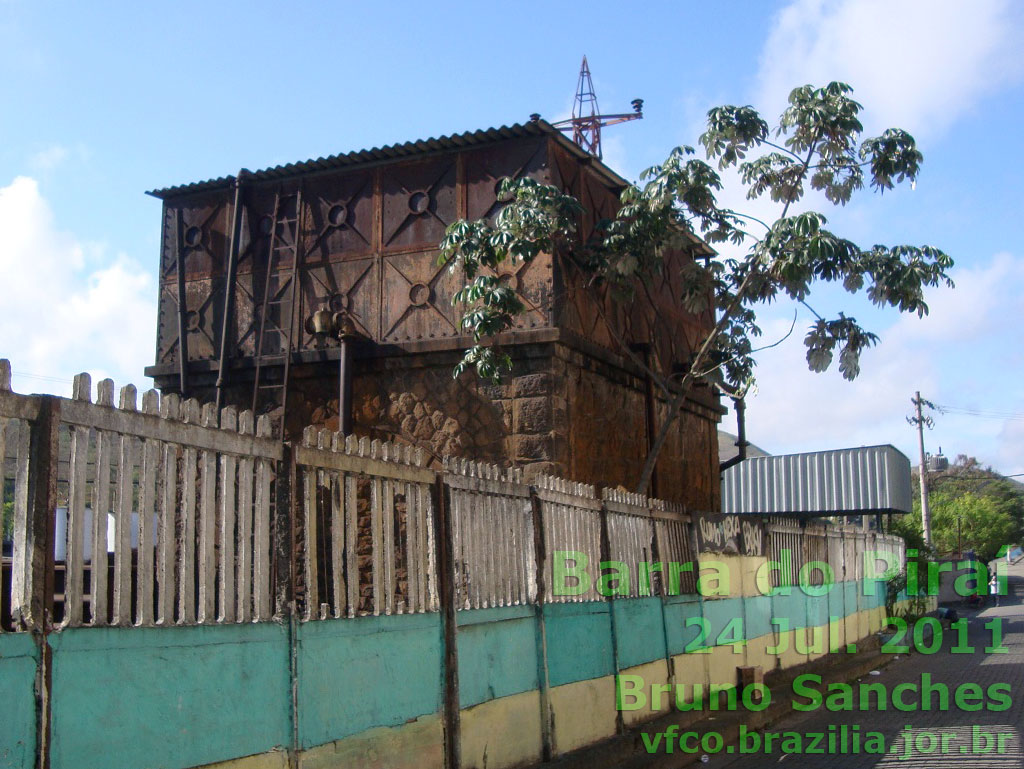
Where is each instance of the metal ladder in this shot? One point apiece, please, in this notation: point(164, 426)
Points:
point(284, 297)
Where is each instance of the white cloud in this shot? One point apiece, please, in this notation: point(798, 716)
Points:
point(917, 64)
point(67, 306)
point(49, 158)
point(965, 353)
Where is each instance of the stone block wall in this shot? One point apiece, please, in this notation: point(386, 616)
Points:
point(561, 410)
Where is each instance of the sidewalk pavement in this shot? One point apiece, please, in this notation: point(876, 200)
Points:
point(963, 727)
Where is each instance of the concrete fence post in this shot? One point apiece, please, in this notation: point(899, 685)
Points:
point(543, 678)
point(449, 624)
point(42, 492)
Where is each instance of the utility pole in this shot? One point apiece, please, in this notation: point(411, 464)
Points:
point(919, 420)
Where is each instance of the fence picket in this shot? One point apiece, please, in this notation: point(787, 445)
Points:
point(334, 482)
point(246, 480)
point(200, 485)
point(21, 581)
point(309, 513)
point(352, 543)
point(261, 530)
point(100, 511)
point(376, 536)
point(226, 522)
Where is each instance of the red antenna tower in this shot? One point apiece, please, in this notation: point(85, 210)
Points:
point(587, 121)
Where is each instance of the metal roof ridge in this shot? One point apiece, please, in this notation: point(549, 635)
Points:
point(398, 149)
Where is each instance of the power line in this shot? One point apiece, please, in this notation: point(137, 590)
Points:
point(980, 413)
point(42, 377)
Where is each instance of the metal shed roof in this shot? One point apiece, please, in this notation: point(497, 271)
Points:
point(402, 150)
point(869, 479)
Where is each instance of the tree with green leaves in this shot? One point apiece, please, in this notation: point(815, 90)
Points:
point(968, 520)
point(972, 506)
point(816, 146)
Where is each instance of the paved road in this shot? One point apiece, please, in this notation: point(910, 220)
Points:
point(964, 733)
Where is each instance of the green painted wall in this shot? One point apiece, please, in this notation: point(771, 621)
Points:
point(18, 661)
point(571, 628)
point(639, 631)
point(125, 698)
point(497, 653)
point(679, 609)
point(757, 616)
point(354, 674)
point(180, 697)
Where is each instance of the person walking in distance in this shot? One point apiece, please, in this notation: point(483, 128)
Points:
point(993, 588)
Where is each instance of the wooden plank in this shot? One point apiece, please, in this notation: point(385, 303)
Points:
point(428, 507)
point(168, 493)
point(123, 532)
point(511, 545)
point(337, 546)
point(148, 491)
point(308, 477)
point(100, 510)
point(425, 565)
point(412, 552)
point(388, 543)
point(21, 567)
point(191, 433)
point(351, 543)
point(473, 565)
point(14, 406)
point(246, 479)
point(457, 545)
point(75, 557)
point(378, 548)
point(148, 496)
point(226, 522)
point(123, 518)
point(366, 465)
point(207, 526)
point(263, 603)
point(492, 550)
point(187, 538)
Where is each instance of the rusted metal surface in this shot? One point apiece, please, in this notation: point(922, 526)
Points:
point(367, 245)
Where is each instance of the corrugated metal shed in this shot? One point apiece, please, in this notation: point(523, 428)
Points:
point(869, 479)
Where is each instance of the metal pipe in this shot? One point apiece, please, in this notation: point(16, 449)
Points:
point(741, 437)
point(346, 342)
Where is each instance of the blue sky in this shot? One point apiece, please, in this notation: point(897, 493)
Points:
point(103, 101)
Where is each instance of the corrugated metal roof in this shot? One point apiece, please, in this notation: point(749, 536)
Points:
point(395, 151)
point(868, 479)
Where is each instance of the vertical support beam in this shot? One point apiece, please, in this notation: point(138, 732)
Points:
point(283, 562)
point(446, 580)
point(283, 580)
point(543, 677)
point(179, 246)
point(229, 285)
point(44, 454)
point(606, 550)
point(659, 532)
